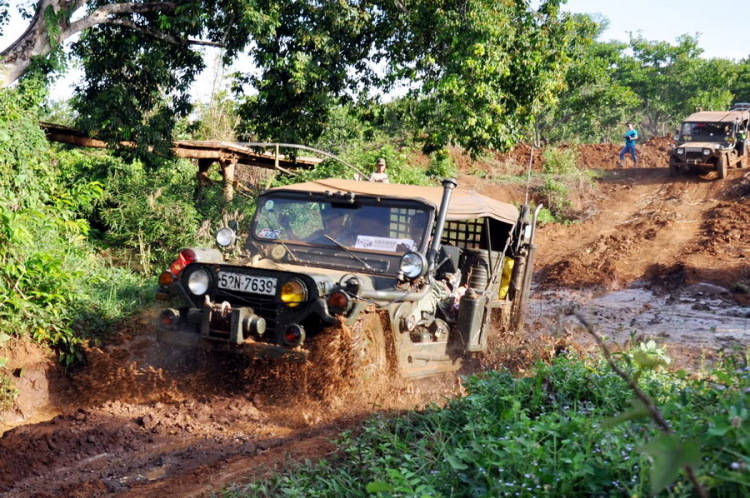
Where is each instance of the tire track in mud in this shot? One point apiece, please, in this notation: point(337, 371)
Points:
point(649, 223)
point(144, 422)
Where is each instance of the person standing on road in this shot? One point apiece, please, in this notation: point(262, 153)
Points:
point(630, 137)
point(379, 175)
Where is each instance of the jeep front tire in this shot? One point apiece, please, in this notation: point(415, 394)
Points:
point(721, 166)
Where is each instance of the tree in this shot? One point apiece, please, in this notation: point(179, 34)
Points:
point(51, 24)
point(595, 102)
point(477, 72)
point(672, 80)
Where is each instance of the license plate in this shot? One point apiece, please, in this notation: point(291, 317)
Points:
point(247, 283)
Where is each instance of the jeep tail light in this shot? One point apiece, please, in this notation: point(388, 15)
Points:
point(185, 257)
point(294, 335)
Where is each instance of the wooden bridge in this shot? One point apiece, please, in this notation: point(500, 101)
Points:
point(227, 154)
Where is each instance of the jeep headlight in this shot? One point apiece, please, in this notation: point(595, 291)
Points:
point(706, 152)
point(198, 282)
point(680, 151)
point(293, 293)
point(225, 237)
point(412, 265)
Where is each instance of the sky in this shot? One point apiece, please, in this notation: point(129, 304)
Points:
point(722, 28)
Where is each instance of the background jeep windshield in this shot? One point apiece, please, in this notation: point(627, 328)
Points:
point(706, 132)
point(357, 226)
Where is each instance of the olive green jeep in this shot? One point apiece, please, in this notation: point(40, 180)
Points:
point(419, 273)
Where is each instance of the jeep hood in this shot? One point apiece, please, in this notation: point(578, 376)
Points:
point(702, 145)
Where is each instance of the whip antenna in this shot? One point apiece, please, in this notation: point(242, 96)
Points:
point(528, 175)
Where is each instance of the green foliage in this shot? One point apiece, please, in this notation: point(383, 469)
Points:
point(560, 161)
point(50, 275)
point(442, 165)
point(485, 70)
point(545, 434)
point(8, 391)
point(555, 196)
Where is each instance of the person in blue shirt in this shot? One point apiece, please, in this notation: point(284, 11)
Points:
point(630, 137)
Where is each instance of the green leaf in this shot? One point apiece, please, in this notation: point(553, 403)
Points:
point(646, 360)
point(456, 463)
point(670, 455)
point(719, 430)
point(4, 338)
point(637, 410)
point(379, 487)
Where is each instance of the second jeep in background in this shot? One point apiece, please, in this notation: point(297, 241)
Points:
point(712, 140)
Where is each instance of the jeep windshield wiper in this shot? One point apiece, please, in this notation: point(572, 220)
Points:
point(342, 246)
point(270, 225)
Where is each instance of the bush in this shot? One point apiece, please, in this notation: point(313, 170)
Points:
point(551, 433)
point(559, 161)
point(442, 165)
point(554, 195)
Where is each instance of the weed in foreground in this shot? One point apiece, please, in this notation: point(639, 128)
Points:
point(551, 433)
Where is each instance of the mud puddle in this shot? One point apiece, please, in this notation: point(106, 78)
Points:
point(696, 322)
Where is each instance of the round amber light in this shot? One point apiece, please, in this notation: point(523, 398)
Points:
point(166, 279)
point(293, 293)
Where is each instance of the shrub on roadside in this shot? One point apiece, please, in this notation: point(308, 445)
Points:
point(559, 161)
point(551, 433)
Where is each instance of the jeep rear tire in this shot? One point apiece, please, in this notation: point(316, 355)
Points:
point(721, 166)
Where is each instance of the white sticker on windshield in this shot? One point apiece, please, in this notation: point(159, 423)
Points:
point(384, 243)
point(269, 205)
point(267, 233)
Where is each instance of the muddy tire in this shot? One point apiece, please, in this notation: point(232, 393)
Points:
point(722, 166)
point(368, 342)
point(343, 359)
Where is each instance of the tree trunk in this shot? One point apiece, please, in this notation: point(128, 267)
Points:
point(16, 59)
point(35, 41)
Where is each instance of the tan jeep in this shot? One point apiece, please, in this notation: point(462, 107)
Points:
point(712, 140)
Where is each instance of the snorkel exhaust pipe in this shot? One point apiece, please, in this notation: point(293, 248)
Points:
point(448, 185)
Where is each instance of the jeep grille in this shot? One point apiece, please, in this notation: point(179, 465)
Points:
point(264, 306)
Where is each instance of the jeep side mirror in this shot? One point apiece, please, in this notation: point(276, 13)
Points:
point(233, 225)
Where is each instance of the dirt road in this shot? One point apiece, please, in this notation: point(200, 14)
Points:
point(639, 265)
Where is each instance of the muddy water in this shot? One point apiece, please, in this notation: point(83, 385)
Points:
point(699, 319)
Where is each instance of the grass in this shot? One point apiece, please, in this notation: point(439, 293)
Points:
point(8, 392)
point(551, 433)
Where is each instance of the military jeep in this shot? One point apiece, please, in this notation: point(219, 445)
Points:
point(712, 141)
point(427, 271)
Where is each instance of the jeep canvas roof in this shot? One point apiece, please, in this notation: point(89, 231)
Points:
point(464, 205)
point(717, 116)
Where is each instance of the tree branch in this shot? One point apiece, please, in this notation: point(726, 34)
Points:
point(161, 35)
point(101, 15)
point(653, 411)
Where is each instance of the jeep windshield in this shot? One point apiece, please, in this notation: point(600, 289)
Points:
point(392, 227)
point(706, 132)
